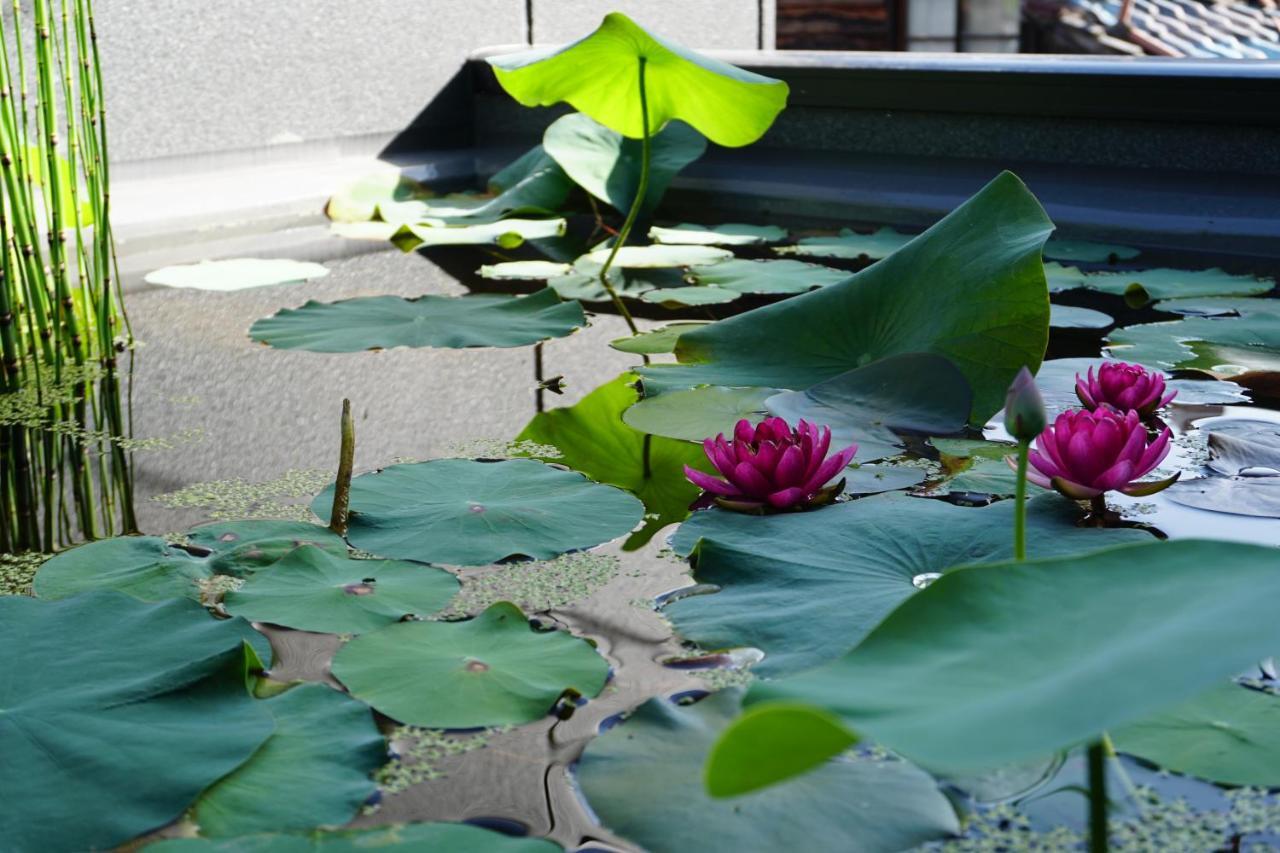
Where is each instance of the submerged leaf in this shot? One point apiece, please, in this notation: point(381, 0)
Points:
point(655, 341)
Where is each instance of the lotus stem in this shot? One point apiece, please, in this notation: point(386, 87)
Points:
point(1020, 504)
point(342, 485)
point(539, 402)
point(1097, 756)
point(1098, 511)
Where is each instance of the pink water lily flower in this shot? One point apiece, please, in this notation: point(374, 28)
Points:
point(1083, 454)
point(772, 466)
point(1123, 386)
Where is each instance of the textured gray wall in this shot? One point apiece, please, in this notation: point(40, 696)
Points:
point(697, 23)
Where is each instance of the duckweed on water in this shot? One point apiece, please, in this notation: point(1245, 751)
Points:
point(536, 586)
point(238, 499)
point(418, 754)
point(501, 448)
point(16, 572)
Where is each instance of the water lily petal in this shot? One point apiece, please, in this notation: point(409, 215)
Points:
point(1073, 490)
point(705, 481)
point(750, 481)
point(1141, 490)
point(791, 468)
point(785, 498)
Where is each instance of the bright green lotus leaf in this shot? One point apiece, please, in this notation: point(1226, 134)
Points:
point(532, 185)
point(506, 233)
point(659, 256)
point(1073, 317)
point(766, 277)
point(971, 289)
point(493, 670)
point(784, 740)
point(699, 413)
point(1056, 380)
point(656, 341)
point(729, 234)
point(525, 270)
point(115, 714)
point(1060, 278)
point(1140, 287)
point(237, 274)
point(679, 297)
point(310, 590)
point(1087, 252)
point(643, 779)
point(1226, 345)
point(314, 770)
point(386, 322)
point(359, 200)
point(407, 838)
point(806, 587)
point(592, 438)
point(913, 392)
point(152, 568)
point(601, 75)
point(850, 244)
point(607, 164)
point(1006, 662)
point(469, 513)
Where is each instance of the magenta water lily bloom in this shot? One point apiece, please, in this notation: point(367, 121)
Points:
point(1083, 454)
point(1123, 387)
point(772, 466)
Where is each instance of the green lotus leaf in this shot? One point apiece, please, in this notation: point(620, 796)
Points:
point(506, 233)
point(699, 413)
point(311, 590)
point(153, 569)
point(586, 286)
point(1226, 345)
point(971, 289)
point(977, 469)
point(237, 274)
point(314, 770)
point(1083, 250)
point(874, 479)
point(600, 75)
point(914, 392)
point(658, 256)
point(469, 513)
point(409, 837)
point(386, 322)
point(117, 714)
point(359, 200)
point(1140, 287)
point(592, 437)
point(1073, 317)
point(1225, 735)
point(1006, 662)
point(767, 277)
point(806, 587)
point(643, 779)
point(787, 740)
point(678, 297)
point(607, 164)
point(850, 244)
point(729, 234)
point(493, 670)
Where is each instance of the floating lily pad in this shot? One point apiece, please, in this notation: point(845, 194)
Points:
point(806, 587)
point(586, 286)
point(659, 257)
point(153, 569)
point(1140, 287)
point(532, 184)
point(106, 725)
point(699, 413)
point(850, 244)
point(643, 779)
point(1072, 317)
point(1256, 496)
point(1239, 446)
point(990, 318)
point(507, 233)
point(1083, 250)
point(1226, 735)
point(359, 200)
point(410, 837)
point(464, 512)
point(874, 479)
point(684, 296)
point(386, 322)
point(1210, 306)
point(311, 590)
point(493, 670)
point(656, 341)
point(607, 165)
point(1221, 345)
point(1056, 380)
point(314, 770)
point(976, 467)
point(525, 270)
point(766, 277)
point(729, 234)
point(915, 392)
point(592, 438)
point(1060, 278)
point(237, 274)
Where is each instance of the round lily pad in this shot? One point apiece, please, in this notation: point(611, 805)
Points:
point(689, 296)
point(407, 838)
point(850, 244)
point(525, 270)
point(464, 512)
point(766, 277)
point(1245, 340)
point(874, 479)
point(1083, 250)
point(236, 274)
point(1140, 287)
point(659, 256)
point(729, 234)
point(1073, 317)
point(493, 670)
point(311, 590)
point(699, 413)
point(385, 322)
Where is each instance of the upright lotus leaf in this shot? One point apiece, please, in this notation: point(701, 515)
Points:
point(971, 289)
point(729, 234)
point(656, 341)
point(806, 587)
point(115, 714)
point(607, 164)
point(766, 277)
point(600, 75)
point(1006, 662)
point(153, 569)
point(406, 838)
point(310, 590)
point(643, 779)
point(593, 438)
point(850, 244)
point(465, 512)
point(314, 770)
point(914, 392)
point(386, 322)
point(1244, 341)
point(237, 274)
point(699, 413)
point(493, 670)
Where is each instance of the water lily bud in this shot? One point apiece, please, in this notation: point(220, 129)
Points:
point(1024, 415)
